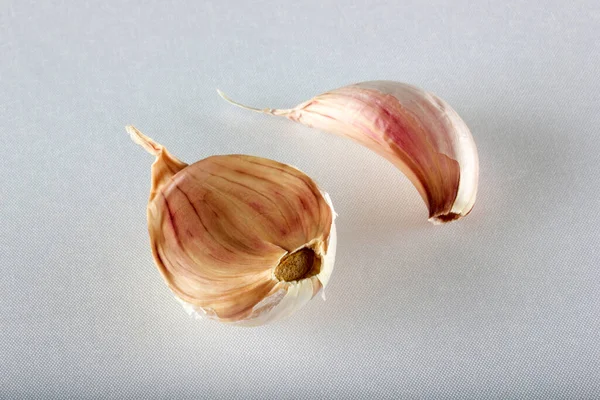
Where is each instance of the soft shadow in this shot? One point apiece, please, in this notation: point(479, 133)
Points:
point(527, 163)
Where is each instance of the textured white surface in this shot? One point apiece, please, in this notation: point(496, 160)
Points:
point(503, 304)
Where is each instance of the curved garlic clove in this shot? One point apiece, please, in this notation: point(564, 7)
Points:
point(415, 130)
point(238, 238)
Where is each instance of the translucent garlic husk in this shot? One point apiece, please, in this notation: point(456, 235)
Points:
point(415, 130)
point(239, 239)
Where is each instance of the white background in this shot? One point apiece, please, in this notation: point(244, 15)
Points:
point(503, 304)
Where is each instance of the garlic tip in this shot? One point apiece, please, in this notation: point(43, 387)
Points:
point(148, 144)
point(271, 111)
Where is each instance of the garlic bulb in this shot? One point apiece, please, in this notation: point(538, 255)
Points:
point(238, 238)
point(415, 130)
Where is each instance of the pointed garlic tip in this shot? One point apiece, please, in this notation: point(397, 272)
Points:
point(258, 110)
point(147, 143)
point(165, 165)
point(415, 130)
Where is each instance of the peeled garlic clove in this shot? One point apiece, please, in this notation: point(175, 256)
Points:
point(238, 238)
point(415, 130)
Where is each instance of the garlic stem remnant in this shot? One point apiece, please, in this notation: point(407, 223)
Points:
point(237, 238)
point(415, 130)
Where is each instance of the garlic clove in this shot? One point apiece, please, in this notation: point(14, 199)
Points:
point(237, 238)
point(415, 130)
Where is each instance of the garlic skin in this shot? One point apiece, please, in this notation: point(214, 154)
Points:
point(237, 238)
point(415, 130)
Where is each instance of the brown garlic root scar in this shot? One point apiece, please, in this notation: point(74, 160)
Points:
point(298, 265)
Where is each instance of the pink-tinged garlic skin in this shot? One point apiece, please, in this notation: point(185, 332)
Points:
point(415, 130)
point(195, 226)
point(219, 228)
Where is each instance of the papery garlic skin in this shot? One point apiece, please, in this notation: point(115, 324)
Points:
point(288, 299)
point(415, 130)
point(221, 227)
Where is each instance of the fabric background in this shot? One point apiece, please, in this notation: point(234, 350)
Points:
point(503, 304)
